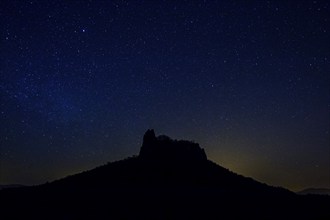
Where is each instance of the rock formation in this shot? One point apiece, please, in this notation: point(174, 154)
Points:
point(163, 148)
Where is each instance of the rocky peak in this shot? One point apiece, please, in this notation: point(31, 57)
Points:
point(163, 148)
point(149, 138)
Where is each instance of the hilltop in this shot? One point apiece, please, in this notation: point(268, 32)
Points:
point(169, 179)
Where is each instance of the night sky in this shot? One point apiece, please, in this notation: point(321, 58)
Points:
point(81, 81)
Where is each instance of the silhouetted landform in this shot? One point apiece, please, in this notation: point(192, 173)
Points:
point(164, 149)
point(8, 186)
point(315, 191)
point(168, 180)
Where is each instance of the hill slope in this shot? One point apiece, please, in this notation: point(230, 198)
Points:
point(169, 179)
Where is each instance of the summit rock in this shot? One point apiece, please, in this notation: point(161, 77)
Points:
point(163, 148)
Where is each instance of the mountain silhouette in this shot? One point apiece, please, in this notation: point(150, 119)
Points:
point(315, 191)
point(8, 186)
point(169, 179)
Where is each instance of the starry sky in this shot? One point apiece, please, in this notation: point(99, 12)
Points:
point(81, 81)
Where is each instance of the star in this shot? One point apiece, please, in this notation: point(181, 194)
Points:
point(232, 76)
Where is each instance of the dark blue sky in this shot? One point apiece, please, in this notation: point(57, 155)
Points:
point(80, 82)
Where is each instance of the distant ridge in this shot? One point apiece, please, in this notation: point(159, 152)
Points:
point(170, 179)
point(315, 191)
point(8, 186)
